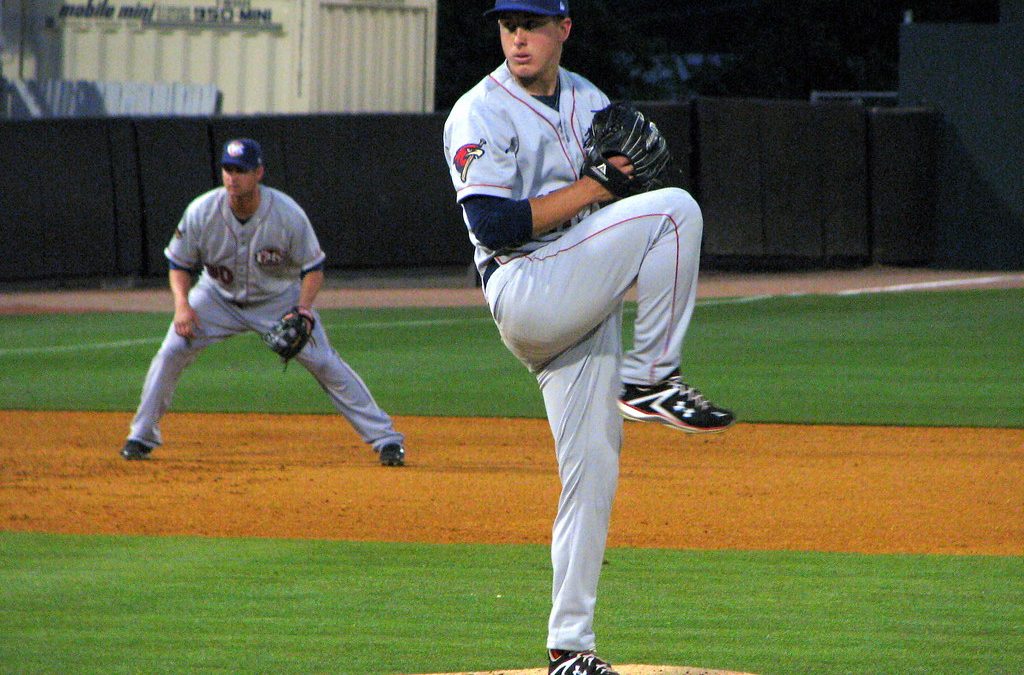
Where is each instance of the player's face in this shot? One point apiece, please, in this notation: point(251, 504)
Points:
point(533, 48)
point(239, 183)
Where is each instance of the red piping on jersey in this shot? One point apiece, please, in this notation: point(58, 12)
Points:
point(602, 231)
point(675, 282)
point(479, 185)
point(538, 114)
point(572, 117)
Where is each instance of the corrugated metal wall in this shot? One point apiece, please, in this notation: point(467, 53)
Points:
point(264, 56)
point(254, 67)
point(376, 56)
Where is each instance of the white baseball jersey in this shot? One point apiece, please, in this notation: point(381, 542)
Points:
point(557, 301)
point(497, 140)
point(246, 263)
point(251, 277)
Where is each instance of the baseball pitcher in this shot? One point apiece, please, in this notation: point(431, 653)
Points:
point(560, 194)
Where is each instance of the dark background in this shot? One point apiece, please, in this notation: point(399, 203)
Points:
point(769, 48)
point(782, 184)
point(933, 178)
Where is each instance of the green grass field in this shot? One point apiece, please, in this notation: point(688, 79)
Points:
point(138, 604)
point(135, 604)
point(915, 359)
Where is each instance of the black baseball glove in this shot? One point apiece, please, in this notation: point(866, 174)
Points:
point(291, 333)
point(621, 129)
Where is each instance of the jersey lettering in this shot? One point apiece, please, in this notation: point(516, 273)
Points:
point(222, 274)
point(269, 257)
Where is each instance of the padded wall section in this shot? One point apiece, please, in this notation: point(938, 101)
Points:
point(124, 166)
point(83, 205)
point(175, 167)
point(375, 187)
point(815, 181)
point(24, 220)
point(731, 176)
point(903, 155)
point(783, 181)
point(57, 201)
point(780, 184)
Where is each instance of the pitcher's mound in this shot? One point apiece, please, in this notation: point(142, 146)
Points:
point(622, 670)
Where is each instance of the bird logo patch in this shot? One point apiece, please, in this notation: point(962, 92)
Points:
point(466, 155)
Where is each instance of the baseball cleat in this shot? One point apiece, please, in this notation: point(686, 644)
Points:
point(577, 663)
point(676, 404)
point(135, 450)
point(392, 454)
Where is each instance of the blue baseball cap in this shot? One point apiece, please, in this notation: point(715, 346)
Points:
point(244, 153)
point(543, 7)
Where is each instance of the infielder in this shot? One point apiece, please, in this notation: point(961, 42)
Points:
point(260, 260)
point(556, 253)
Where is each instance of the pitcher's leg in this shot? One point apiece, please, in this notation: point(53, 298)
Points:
point(348, 393)
point(653, 388)
point(560, 292)
point(579, 389)
point(666, 292)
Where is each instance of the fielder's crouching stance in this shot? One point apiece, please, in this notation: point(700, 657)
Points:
point(262, 269)
point(559, 193)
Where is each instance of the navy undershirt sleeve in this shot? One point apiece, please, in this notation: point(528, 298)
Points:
point(499, 223)
point(315, 268)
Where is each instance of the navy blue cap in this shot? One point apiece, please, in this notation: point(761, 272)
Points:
point(244, 153)
point(543, 7)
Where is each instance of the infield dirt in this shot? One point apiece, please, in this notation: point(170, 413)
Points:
point(756, 487)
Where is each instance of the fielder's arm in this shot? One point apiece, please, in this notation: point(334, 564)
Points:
point(312, 282)
point(185, 318)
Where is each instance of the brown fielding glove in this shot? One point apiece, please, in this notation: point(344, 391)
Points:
point(621, 129)
point(291, 333)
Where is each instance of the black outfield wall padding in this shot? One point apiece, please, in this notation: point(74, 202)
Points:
point(780, 184)
point(175, 167)
point(783, 181)
point(815, 181)
point(26, 172)
point(84, 216)
point(129, 247)
point(731, 176)
point(903, 149)
point(376, 188)
point(57, 200)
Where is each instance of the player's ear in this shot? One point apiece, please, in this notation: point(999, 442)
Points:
point(259, 172)
point(565, 27)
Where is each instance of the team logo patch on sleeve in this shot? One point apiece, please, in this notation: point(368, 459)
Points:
point(465, 156)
